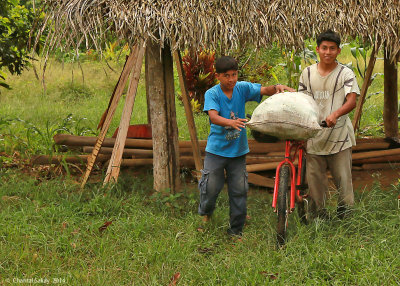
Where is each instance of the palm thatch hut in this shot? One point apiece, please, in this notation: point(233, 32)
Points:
point(169, 25)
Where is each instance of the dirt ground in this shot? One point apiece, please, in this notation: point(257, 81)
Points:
point(366, 178)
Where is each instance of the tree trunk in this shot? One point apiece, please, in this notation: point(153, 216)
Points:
point(390, 108)
point(163, 117)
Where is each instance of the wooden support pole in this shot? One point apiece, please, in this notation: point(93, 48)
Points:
point(116, 157)
point(110, 112)
point(189, 114)
point(163, 117)
point(364, 89)
point(390, 102)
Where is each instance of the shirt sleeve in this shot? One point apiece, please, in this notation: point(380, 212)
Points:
point(211, 101)
point(252, 91)
point(350, 83)
point(302, 83)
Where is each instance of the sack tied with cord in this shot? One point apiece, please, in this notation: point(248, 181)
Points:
point(289, 115)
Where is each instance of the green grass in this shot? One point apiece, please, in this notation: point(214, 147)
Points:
point(51, 229)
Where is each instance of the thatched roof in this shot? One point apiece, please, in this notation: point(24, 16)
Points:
point(228, 23)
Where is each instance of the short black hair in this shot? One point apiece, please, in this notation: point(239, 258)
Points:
point(329, 36)
point(226, 63)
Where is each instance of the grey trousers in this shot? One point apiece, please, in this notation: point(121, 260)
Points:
point(340, 166)
point(212, 182)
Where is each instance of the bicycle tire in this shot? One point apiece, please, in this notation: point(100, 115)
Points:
point(283, 206)
point(301, 209)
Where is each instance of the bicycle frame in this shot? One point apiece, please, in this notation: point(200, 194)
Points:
point(298, 148)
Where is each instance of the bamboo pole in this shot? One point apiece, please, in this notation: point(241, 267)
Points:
point(259, 180)
point(74, 140)
point(116, 157)
point(364, 89)
point(127, 152)
point(189, 114)
point(380, 159)
point(110, 112)
point(370, 146)
point(380, 166)
point(373, 154)
point(58, 159)
point(263, 166)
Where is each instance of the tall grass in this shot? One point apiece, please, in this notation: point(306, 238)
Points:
point(55, 232)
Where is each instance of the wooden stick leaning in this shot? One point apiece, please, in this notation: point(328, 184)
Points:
point(189, 114)
point(364, 89)
point(116, 157)
point(110, 113)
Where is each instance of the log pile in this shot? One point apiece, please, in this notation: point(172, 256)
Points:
point(368, 154)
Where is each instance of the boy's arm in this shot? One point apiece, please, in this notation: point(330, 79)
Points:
point(222, 121)
point(348, 106)
point(272, 89)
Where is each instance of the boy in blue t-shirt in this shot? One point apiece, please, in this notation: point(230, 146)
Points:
point(227, 142)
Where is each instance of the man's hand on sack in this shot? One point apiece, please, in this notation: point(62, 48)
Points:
point(331, 120)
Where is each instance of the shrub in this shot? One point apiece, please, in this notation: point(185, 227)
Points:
point(199, 74)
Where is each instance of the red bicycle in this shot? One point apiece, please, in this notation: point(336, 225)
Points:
point(290, 187)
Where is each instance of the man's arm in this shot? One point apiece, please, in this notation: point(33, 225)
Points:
point(272, 89)
point(222, 121)
point(348, 106)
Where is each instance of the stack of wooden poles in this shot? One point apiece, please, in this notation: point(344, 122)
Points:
point(368, 154)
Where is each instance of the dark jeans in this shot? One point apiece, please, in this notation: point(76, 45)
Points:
point(212, 182)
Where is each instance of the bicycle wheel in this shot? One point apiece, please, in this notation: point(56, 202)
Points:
point(301, 208)
point(283, 204)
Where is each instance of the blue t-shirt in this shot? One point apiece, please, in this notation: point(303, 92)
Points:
point(224, 141)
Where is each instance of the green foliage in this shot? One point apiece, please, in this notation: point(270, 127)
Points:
point(72, 92)
point(113, 51)
point(199, 75)
point(15, 32)
point(292, 63)
point(256, 65)
point(23, 136)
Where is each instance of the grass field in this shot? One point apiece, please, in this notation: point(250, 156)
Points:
point(128, 235)
point(53, 230)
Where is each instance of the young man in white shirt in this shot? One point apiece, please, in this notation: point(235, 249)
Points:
point(334, 88)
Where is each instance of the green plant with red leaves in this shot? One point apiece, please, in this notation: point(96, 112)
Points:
point(199, 75)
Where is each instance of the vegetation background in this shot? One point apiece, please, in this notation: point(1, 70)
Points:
point(127, 234)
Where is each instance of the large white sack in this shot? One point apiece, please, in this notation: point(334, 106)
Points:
point(289, 115)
